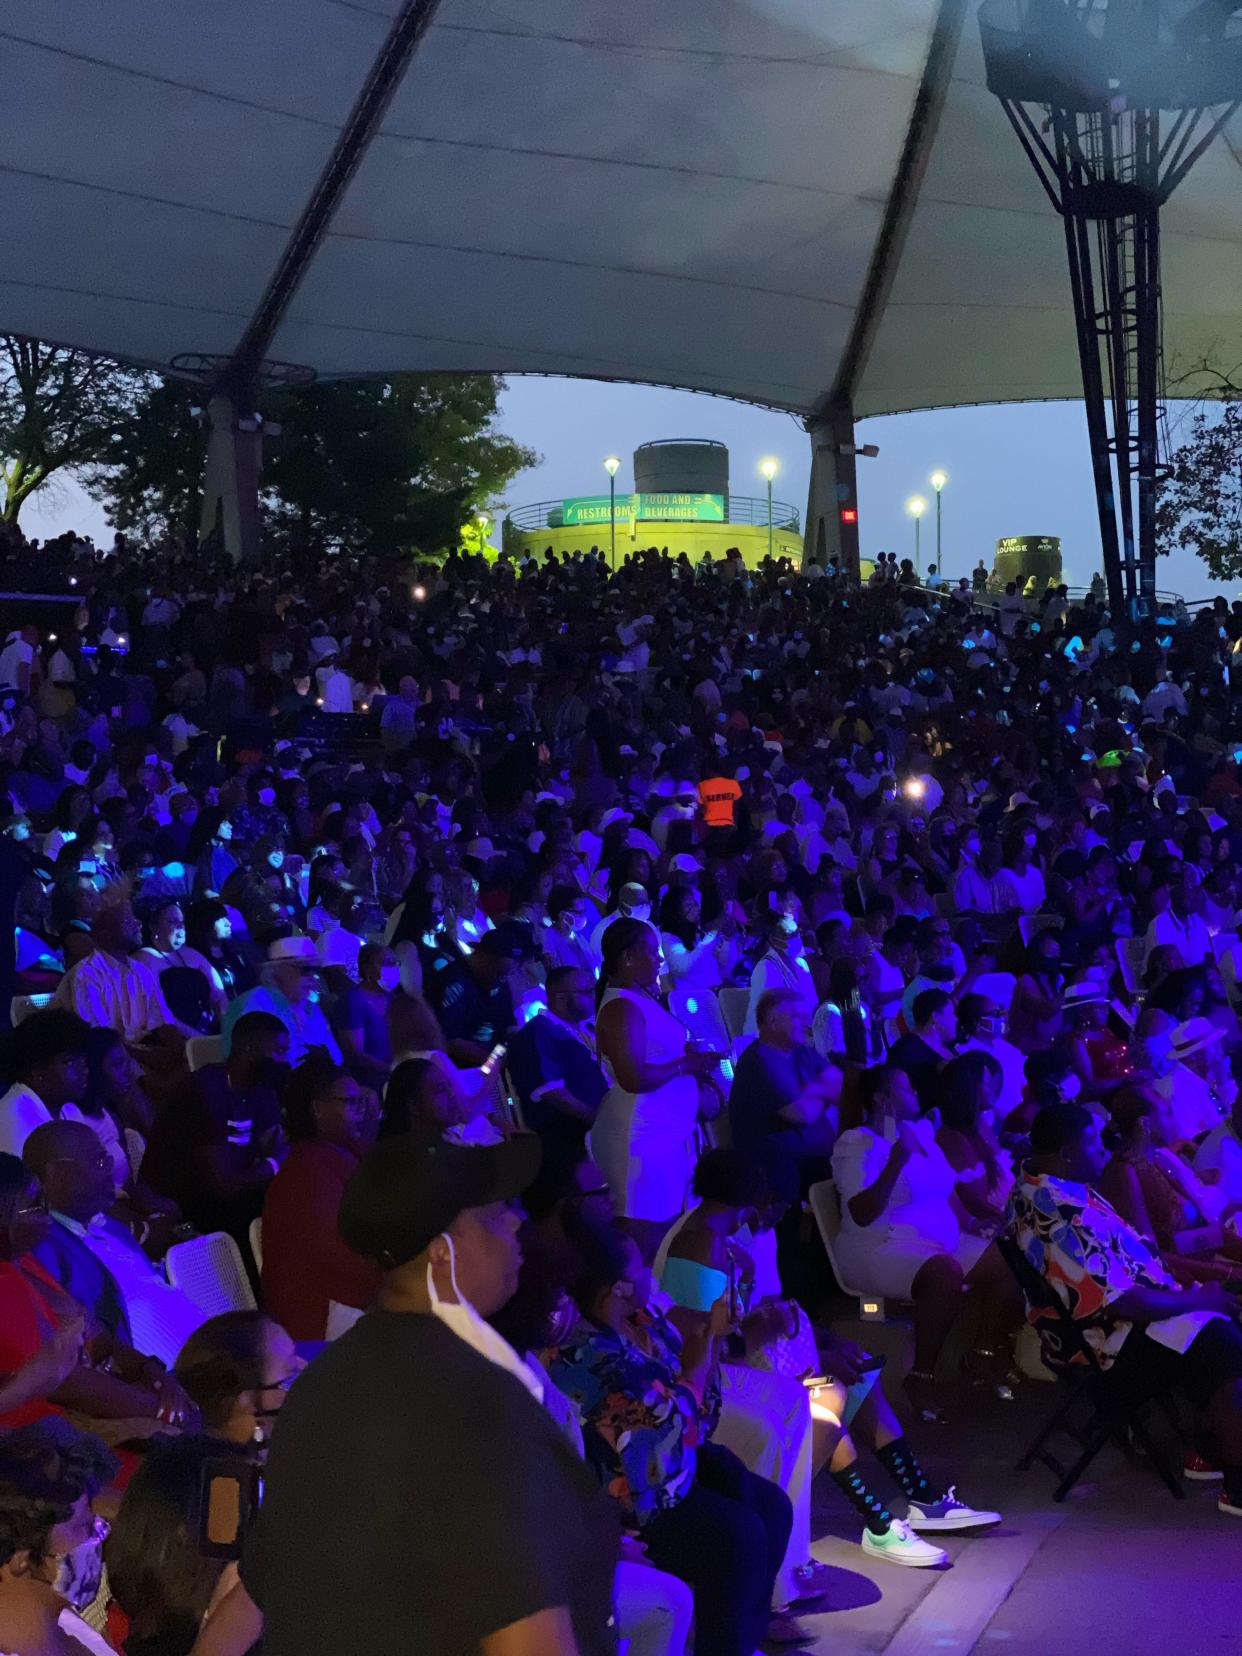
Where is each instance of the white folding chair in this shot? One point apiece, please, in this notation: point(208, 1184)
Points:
point(700, 1011)
point(1030, 925)
point(21, 1006)
point(341, 1318)
point(996, 986)
point(204, 1049)
point(1131, 955)
point(826, 1207)
point(734, 1002)
point(135, 1150)
point(209, 1270)
point(255, 1236)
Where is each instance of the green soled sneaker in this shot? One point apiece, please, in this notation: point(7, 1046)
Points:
point(900, 1545)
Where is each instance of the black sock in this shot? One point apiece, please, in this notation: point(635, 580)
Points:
point(870, 1508)
point(899, 1460)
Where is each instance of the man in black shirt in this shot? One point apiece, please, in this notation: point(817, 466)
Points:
point(418, 1496)
point(215, 1147)
point(473, 997)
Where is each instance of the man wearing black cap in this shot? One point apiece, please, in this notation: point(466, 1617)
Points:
point(473, 997)
point(418, 1496)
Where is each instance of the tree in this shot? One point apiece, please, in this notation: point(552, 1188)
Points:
point(375, 465)
point(59, 411)
point(385, 465)
point(150, 476)
point(1199, 507)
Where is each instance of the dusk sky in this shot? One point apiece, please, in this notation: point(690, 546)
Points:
point(1013, 470)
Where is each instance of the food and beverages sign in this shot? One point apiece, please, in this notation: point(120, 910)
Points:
point(668, 508)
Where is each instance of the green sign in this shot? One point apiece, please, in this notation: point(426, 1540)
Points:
point(678, 508)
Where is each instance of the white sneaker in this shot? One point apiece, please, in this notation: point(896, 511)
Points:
point(948, 1513)
point(900, 1545)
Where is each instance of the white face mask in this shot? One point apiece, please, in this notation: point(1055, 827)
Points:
point(389, 978)
point(789, 924)
point(641, 912)
point(1069, 1088)
point(79, 1573)
point(267, 796)
point(480, 1336)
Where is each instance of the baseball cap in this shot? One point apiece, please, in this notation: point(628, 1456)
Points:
point(511, 940)
point(407, 1190)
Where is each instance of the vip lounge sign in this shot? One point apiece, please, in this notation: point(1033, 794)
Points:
point(667, 508)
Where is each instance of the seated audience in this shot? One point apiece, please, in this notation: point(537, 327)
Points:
point(648, 1403)
point(289, 989)
point(94, 1258)
point(1145, 1330)
point(906, 1235)
point(306, 1265)
point(111, 988)
point(216, 1145)
point(51, 1540)
point(44, 1060)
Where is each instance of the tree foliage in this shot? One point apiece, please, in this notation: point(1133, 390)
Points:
point(376, 465)
point(1200, 502)
point(59, 411)
point(150, 477)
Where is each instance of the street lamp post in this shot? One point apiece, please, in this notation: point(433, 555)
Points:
point(769, 469)
point(938, 480)
point(610, 466)
point(916, 507)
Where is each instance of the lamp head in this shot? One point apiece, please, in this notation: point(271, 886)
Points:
point(611, 465)
point(916, 506)
point(938, 480)
point(769, 468)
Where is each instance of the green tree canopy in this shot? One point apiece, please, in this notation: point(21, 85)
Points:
point(376, 465)
point(59, 411)
point(1200, 503)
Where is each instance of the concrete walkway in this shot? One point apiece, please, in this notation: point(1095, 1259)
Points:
point(1120, 1567)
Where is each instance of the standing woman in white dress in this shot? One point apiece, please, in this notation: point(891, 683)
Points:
point(643, 1136)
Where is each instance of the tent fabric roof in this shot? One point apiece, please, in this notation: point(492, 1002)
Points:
point(687, 195)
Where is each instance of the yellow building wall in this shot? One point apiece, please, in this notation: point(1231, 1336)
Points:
point(692, 538)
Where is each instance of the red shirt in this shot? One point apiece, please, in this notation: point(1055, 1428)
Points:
point(305, 1263)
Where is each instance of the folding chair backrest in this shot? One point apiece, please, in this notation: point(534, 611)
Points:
point(734, 1001)
point(700, 1011)
point(204, 1049)
point(1061, 1338)
point(209, 1270)
point(21, 1006)
point(1131, 953)
point(825, 1205)
point(1030, 925)
point(996, 986)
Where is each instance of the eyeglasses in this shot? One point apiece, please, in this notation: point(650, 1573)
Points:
point(281, 1385)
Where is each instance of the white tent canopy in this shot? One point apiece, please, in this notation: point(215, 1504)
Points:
point(689, 195)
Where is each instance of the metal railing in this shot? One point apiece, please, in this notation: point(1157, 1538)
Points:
point(739, 509)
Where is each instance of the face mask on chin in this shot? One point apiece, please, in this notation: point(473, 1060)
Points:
point(80, 1571)
point(462, 1318)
